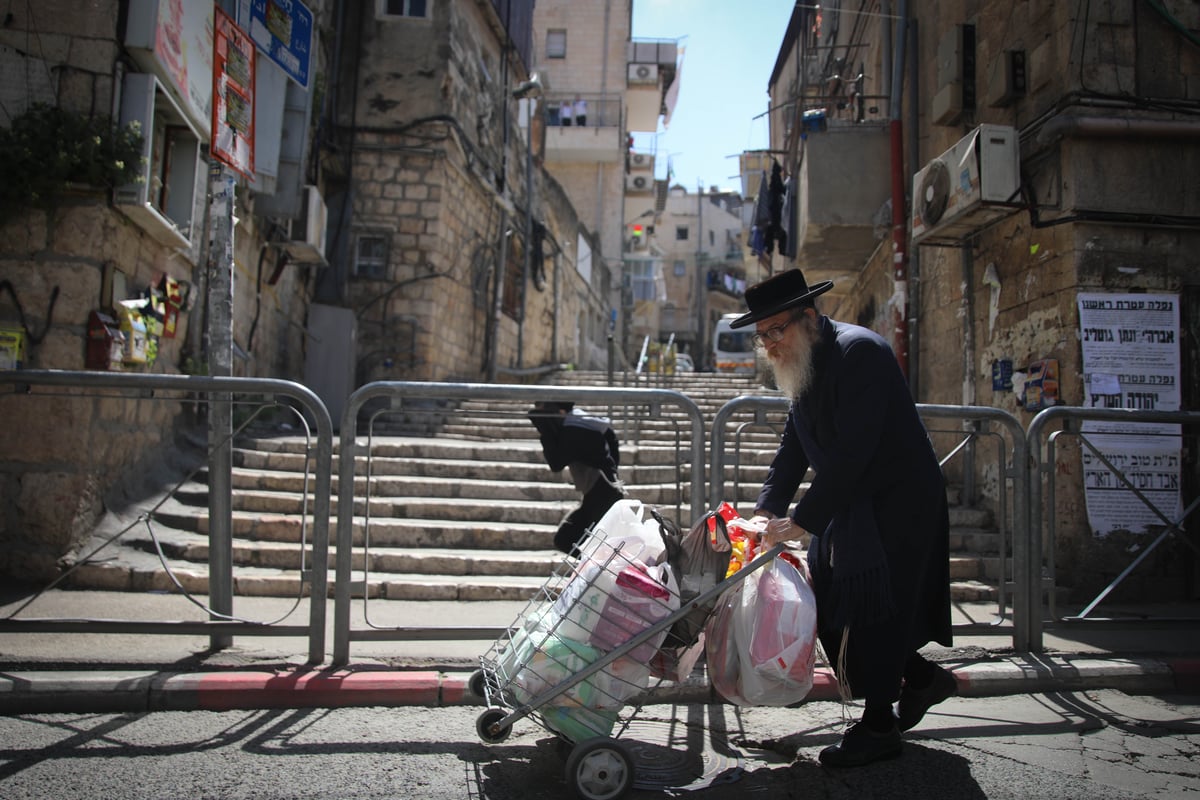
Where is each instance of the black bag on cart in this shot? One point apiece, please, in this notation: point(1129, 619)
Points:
point(700, 559)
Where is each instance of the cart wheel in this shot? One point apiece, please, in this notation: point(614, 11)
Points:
point(600, 769)
point(477, 685)
point(487, 728)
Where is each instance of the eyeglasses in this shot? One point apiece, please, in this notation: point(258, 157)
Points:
point(772, 334)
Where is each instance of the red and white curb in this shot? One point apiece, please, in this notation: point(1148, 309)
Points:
point(34, 691)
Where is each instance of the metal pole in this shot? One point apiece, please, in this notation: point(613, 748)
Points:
point(699, 268)
point(220, 412)
point(528, 267)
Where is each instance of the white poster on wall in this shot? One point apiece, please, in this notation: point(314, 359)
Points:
point(1130, 348)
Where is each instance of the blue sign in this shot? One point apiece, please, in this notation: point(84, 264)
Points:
point(283, 30)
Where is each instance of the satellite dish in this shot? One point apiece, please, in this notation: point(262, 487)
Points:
point(935, 192)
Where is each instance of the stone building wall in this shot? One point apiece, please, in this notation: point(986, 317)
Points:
point(1011, 291)
point(440, 171)
point(66, 456)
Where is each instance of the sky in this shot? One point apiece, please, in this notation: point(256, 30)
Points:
point(729, 52)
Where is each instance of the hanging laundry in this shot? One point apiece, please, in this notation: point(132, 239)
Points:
point(791, 218)
point(775, 192)
point(761, 219)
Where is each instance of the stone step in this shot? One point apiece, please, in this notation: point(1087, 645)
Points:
point(477, 501)
point(285, 556)
point(273, 582)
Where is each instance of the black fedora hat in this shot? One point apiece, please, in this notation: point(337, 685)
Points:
point(778, 292)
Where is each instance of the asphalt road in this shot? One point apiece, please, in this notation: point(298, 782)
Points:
point(1100, 745)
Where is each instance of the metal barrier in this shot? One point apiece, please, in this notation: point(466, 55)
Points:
point(220, 391)
point(396, 393)
point(977, 422)
point(1024, 489)
point(1042, 473)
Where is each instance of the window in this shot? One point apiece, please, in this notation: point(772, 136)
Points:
point(641, 280)
point(371, 256)
point(404, 8)
point(556, 43)
point(680, 268)
point(681, 233)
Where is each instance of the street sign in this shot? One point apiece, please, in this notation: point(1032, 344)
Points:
point(283, 30)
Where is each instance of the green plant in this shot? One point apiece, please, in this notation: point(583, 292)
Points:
point(46, 149)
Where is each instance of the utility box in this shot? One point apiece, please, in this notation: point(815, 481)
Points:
point(105, 343)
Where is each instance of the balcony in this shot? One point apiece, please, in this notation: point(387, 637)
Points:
point(598, 141)
point(651, 72)
point(845, 181)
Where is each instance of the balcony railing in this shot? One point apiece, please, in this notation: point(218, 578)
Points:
point(603, 111)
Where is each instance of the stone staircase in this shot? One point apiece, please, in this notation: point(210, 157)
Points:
point(467, 514)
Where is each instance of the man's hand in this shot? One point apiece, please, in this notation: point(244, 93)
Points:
point(781, 529)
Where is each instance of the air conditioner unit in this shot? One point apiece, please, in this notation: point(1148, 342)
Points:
point(641, 161)
point(643, 73)
point(306, 235)
point(639, 183)
point(968, 188)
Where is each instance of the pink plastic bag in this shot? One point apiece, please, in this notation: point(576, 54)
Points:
point(760, 642)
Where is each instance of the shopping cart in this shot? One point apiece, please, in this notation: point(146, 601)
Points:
point(581, 658)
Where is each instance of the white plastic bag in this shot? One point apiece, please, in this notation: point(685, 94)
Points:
point(760, 643)
point(629, 527)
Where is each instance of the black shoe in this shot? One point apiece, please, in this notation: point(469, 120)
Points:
point(915, 702)
point(860, 746)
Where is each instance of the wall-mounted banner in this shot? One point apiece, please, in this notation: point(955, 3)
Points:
point(1130, 348)
point(233, 96)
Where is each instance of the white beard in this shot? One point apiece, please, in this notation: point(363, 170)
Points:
point(794, 377)
point(794, 374)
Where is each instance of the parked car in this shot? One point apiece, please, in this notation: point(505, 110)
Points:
point(683, 363)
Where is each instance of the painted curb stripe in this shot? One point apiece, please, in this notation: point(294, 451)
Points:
point(223, 691)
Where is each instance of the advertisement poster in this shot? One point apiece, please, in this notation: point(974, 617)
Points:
point(233, 96)
point(1130, 345)
point(183, 46)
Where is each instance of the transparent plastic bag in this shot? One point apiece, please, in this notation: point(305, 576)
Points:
point(760, 643)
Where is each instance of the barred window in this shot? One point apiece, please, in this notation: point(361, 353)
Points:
point(371, 256)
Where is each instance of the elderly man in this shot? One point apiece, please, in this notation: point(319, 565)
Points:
point(876, 510)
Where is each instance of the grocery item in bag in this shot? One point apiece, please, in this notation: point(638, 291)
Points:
point(640, 596)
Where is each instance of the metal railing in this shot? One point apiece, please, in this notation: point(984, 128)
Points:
point(1042, 443)
point(396, 393)
point(221, 624)
point(977, 422)
point(1022, 483)
point(603, 111)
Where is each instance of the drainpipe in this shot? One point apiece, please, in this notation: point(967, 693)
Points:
point(914, 256)
point(899, 220)
point(1068, 125)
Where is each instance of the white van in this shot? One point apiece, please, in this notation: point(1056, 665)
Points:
point(733, 351)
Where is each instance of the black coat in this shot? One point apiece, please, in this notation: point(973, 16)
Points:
point(874, 466)
point(578, 438)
